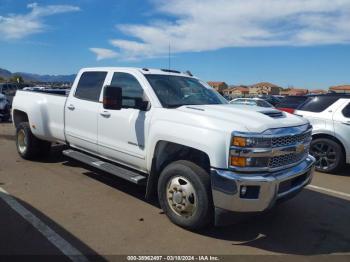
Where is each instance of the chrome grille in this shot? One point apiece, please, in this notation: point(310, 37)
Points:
point(291, 139)
point(285, 160)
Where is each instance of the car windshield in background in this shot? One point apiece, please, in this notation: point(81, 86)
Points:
point(292, 102)
point(271, 99)
point(252, 102)
point(176, 91)
point(263, 103)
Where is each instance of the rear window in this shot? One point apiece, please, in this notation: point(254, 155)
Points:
point(346, 111)
point(318, 104)
point(292, 102)
point(90, 85)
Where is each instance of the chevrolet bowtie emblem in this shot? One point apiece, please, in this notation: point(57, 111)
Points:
point(300, 148)
point(286, 151)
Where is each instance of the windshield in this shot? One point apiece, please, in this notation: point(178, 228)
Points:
point(263, 103)
point(176, 91)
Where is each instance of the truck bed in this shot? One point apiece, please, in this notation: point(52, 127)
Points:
point(46, 112)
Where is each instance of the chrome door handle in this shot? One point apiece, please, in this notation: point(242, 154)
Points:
point(71, 107)
point(346, 123)
point(105, 114)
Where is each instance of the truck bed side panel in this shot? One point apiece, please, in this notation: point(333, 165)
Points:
point(45, 113)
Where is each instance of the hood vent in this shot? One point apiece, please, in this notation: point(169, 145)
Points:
point(273, 114)
point(195, 108)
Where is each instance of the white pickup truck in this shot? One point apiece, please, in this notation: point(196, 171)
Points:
point(203, 157)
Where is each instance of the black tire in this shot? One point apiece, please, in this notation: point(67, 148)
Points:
point(34, 147)
point(329, 155)
point(200, 182)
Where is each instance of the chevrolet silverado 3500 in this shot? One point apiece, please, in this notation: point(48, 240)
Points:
point(176, 135)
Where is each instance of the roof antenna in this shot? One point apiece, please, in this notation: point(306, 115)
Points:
point(169, 62)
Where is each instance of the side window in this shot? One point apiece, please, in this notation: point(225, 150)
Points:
point(346, 111)
point(318, 104)
point(90, 86)
point(131, 88)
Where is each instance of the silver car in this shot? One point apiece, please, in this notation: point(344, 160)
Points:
point(252, 102)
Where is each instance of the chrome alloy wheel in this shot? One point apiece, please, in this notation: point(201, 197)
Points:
point(21, 141)
point(181, 196)
point(325, 155)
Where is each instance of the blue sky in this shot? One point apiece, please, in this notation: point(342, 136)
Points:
point(291, 43)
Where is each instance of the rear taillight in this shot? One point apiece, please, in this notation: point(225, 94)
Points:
point(288, 110)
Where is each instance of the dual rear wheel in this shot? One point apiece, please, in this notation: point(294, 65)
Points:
point(28, 146)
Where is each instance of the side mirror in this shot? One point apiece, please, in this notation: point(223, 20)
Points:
point(112, 98)
point(141, 104)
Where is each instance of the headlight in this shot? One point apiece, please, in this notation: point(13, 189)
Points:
point(241, 144)
point(249, 161)
point(260, 142)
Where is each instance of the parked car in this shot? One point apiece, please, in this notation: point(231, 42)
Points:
point(5, 108)
point(176, 135)
point(273, 100)
point(9, 90)
point(252, 102)
point(291, 103)
point(330, 117)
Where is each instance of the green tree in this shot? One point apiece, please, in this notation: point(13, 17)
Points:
point(2, 79)
point(16, 79)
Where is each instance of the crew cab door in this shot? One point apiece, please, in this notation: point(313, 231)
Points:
point(81, 111)
point(121, 133)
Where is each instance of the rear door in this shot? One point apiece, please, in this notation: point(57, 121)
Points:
point(81, 111)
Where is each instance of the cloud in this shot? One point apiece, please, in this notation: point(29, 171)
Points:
point(18, 26)
point(103, 53)
point(203, 25)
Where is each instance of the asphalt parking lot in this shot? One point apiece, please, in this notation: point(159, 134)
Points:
point(93, 213)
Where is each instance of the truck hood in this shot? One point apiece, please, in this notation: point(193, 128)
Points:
point(244, 118)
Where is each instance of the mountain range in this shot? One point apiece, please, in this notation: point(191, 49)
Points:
point(38, 78)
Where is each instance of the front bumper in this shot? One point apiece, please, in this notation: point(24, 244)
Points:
point(239, 192)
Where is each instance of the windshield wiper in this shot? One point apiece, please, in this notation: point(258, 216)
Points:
point(177, 105)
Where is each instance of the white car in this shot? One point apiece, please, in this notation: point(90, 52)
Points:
point(330, 117)
point(175, 134)
point(252, 102)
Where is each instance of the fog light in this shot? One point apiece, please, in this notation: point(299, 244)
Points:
point(243, 190)
point(249, 192)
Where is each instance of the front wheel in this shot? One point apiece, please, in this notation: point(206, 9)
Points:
point(185, 195)
point(328, 154)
